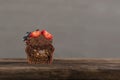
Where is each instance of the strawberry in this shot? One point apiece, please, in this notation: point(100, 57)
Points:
point(35, 34)
point(47, 35)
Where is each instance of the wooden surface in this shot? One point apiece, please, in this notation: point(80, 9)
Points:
point(61, 69)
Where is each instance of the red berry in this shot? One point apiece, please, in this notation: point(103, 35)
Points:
point(47, 34)
point(35, 34)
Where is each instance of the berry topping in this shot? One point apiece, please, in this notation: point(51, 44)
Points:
point(35, 34)
point(47, 34)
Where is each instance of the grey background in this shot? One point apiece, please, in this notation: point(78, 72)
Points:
point(81, 28)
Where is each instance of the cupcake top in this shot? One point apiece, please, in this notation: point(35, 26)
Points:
point(41, 37)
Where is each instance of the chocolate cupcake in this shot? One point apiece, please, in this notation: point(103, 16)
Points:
point(39, 48)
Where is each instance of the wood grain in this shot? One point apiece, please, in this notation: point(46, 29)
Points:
point(61, 69)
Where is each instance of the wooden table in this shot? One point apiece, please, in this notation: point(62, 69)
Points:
point(61, 69)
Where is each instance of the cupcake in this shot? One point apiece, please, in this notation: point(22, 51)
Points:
point(39, 48)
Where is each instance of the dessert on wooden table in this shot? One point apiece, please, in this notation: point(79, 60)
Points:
point(39, 48)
